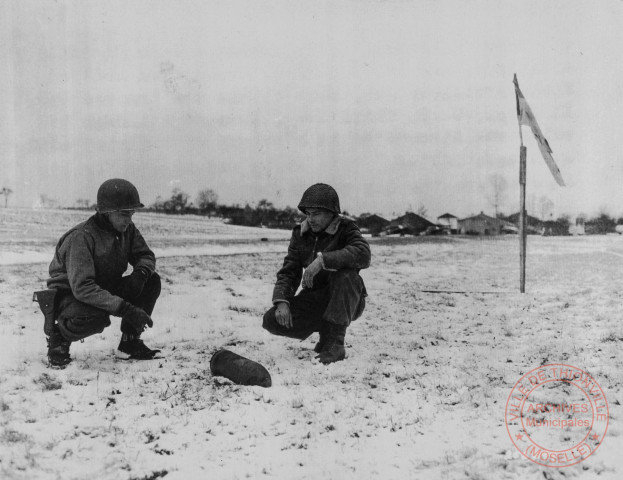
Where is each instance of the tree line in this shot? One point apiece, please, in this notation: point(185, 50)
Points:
point(264, 214)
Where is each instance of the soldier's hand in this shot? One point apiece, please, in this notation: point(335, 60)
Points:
point(310, 272)
point(137, 318)
point(132, 285)
point(283, 315)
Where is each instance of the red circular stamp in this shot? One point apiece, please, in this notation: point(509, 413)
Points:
point(557, 415)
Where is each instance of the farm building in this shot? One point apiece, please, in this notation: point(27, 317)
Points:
point(534, 225)
point(410, 223)
point(555, 228)
point(448, 220)
point(482, 224)
point(372, 224)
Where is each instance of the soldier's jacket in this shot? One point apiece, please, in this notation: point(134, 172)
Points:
point(91, 258)
point(341, 244)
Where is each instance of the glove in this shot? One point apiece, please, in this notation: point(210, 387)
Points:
point(136, 317)
point(132, 285)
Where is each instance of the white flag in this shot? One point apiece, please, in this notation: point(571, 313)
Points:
point(526, 117)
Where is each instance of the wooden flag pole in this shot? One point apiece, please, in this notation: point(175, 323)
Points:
point(522, 218)
point(522, 199)
point(526, 117)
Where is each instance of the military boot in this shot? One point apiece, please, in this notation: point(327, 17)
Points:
point(333, 349)
point(132, 347)
point(58, 349)
point(323, 337)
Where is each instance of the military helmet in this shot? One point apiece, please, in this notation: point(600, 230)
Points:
point(117, 194)
point(320, 195)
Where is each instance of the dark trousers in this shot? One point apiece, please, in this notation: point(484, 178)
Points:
point(340, 301)
point(77, 320)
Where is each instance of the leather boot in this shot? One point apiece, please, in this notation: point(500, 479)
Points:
point(333, 349)
point(323, 337)
point(58, 349)
point(132, 347)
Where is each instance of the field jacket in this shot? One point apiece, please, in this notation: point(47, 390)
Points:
point(91, 258)
point(341, 244)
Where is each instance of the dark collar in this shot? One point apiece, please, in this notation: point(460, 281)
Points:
point(102, 221)
point(331, 229)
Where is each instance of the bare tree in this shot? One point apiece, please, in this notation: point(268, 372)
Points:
point(497, 191)
point(48, 202)
point(207, 200)
point(422, 211)
point(532, 205)
point(264, 204)
point(83, 203)
point(178, 201)
point(6, 191)
point(546, 207)
point(264, 210)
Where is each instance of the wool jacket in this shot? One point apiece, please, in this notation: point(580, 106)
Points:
point(341, 245)
point(90, 260)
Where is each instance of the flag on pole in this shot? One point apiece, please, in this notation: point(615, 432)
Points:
point(526, 117)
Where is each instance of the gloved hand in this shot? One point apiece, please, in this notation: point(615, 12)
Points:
point(310, 272)
point(133, 284)
point(136, 317)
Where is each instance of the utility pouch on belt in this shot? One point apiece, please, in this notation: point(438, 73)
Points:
point(47, 302)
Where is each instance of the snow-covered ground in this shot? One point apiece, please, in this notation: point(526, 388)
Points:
point(421, 394)
point(29, 236)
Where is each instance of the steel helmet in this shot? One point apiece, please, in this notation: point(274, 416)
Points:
point(320, 195)
point(117, 194)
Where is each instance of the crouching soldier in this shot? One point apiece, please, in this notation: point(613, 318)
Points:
point(86, 283)
point(326, 251)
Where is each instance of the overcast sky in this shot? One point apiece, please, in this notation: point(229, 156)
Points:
point(397, 104)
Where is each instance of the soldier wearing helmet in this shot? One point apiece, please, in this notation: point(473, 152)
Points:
point(325, 255)
point(87, 285)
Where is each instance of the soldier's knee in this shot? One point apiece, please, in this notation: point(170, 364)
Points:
point(154, 285)
point(75, 328)
point(345, 274)
point(345, 277)
point(269, 322)
point(360, 308)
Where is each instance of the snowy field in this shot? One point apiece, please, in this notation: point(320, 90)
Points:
point(422, 392)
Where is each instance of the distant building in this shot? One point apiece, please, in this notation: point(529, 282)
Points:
point(482, 224)
point(556, 228)
point(372, 224)
point(578, 227)
point(448, 220)
point(410, 224)
point(534, 225)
